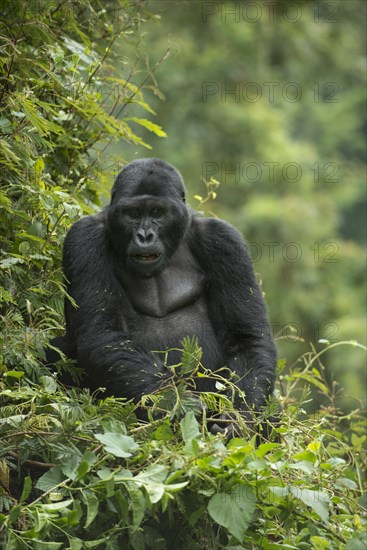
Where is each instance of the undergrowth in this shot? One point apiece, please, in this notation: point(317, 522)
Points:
point(80, 471)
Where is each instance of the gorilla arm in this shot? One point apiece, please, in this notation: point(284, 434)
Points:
point(237, 310)
point(97, 328)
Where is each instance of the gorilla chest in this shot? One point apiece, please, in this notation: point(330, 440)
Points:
point(169, 307)
point(166, 332)
point(167, 293)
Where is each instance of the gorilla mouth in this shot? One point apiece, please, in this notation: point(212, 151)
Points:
point(146, 257)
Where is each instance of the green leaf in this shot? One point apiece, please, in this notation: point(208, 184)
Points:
point(311, 380)
point(82, 469)
point(319, 543)
point(155, 473)
point(5, 124)
point(122, 475)
point(14, 513)
point(14, 374)
point(41, 545)
point(358, 542)
point(305, 455)
point(317, 500)
point(105, 474)
point(13, 420)
point(70, 465)
point(89, 457)
point(190, 427)
point(153, 478)
point(149, 125)
point(79, 49)
point(346, 482)
point(191, 355)
point(255, 464)
point(95, 543)
point(117, 444)
point(233, 510)
point(55, 506)
point(92, 503)
point(264, 448)
point(35, 238)
point(314, 447)
point(39, 166)
point(303, 465)
point(138, 506)
point(75, 543)
point(114, 425)
point(155, 491)
point(271, 546)
point(36, 118)
point(49, 383)
point(27, 488)
point(50, 479)
point(123, 507)
point(4, 264)
point(163, 432)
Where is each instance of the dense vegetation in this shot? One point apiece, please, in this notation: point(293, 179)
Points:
point(77, 470)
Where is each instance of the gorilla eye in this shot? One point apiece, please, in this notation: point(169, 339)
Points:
point(133, 214)
point(156, 212)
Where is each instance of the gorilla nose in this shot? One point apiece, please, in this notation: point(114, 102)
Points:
point(145, 237)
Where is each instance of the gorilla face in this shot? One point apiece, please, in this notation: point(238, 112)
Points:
point(147, 217)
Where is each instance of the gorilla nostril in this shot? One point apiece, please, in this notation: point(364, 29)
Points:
point(140, 236)
point(149, 237)
point(145, 236)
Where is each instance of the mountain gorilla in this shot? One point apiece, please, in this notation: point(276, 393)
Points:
point(148, 271)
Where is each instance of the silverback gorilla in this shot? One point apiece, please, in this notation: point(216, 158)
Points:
point(148, 271)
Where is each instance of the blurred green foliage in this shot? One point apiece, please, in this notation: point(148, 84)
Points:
point(269, 99)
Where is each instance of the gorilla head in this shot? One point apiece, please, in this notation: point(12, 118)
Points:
point(147, 217)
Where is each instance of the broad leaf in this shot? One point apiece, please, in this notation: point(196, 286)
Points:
point(117, 444)
point(92, 507)
point(317, 500)
point(190, 427)
point(50, 479)
point(233, 510)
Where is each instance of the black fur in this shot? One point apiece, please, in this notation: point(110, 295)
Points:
point(196, 278)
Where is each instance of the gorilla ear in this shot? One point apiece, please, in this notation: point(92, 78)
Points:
point(113, 193)
point(183, 196)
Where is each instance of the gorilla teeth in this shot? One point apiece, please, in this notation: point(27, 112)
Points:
point(147, 257)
